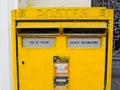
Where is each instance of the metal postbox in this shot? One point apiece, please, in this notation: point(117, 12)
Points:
point(62, 48)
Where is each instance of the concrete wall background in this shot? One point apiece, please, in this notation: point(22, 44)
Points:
point(55, 3)
point(4, 47)
point(5, 41)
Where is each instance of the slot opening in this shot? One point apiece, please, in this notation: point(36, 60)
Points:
point(84, 31)
point(38, 31)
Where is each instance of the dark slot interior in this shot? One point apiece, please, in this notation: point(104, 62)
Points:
point(84, 30)
point(38, 31)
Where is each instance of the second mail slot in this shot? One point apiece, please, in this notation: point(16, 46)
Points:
point(84, 37)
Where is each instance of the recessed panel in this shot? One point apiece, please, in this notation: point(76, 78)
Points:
point(38, 42)
point(84, 42)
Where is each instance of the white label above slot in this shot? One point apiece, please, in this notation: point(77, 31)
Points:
point(84, 42)
point(38, 42)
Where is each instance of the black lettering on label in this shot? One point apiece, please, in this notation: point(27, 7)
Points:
point(71, 42)
point(44, 42)
point(74, 42)
point(89, 42)
point(37, 42)
point(95, 42)
point(47, 42)
point(31, 42)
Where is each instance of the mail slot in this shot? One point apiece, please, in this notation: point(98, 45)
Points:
point(38, 31)
point(68, 51)
point(84, 31)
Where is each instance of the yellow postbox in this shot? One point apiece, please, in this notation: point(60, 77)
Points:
point(62, 48)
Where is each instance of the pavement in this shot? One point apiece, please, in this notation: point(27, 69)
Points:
point(116, 84)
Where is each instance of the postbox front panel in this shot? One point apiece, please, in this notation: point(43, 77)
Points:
point(61, 62)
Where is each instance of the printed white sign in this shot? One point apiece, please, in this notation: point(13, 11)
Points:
point(84, 42)
point(38, 42)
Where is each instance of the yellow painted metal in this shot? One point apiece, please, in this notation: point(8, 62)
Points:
point(86, 65)
point(63, 24)
point(62, 13)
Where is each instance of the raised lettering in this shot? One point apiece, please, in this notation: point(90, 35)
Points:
point(49, 13)
point(40, 12)
point(83, 13)
point(22, 13)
